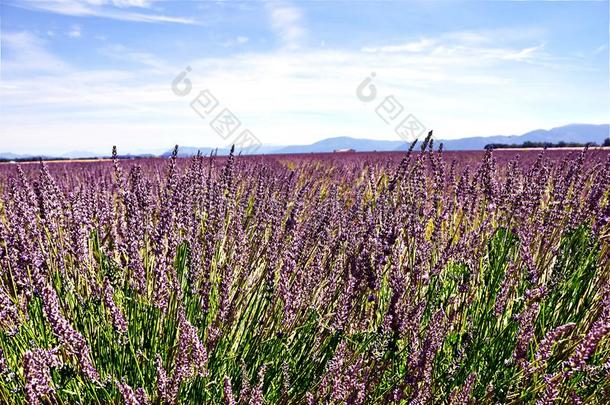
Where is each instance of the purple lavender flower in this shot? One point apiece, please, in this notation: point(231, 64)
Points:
point(331, 382)
point(245, 384)
point(72, 340)
point(599, 329)
point(142, 397)
point(510, 280)
point(228, 391)
point(546, 345)
point(423, 360)
point(526, 330)
point(462, 395)
point(191, 357)
point(118, 320)
point(3, 364)
point(394, 319)
point(36, 369)
point(162, 381)
point(129, 396)
point(9, 316)
point(257, 396)
point(576, 400)
point(344, 305)
point(551, 391)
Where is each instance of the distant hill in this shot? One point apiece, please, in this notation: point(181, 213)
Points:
point(16, 157)
point(343, 142)
point(11, 156)
point(325, 145)
point(573, 133)
point(188, 151)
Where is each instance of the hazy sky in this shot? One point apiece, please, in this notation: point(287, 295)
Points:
point(84, 75)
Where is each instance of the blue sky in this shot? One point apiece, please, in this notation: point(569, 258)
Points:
point(84, 75)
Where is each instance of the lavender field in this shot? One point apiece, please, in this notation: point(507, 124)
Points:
point(425, 277)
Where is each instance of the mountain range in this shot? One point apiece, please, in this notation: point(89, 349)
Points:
point(577, 133)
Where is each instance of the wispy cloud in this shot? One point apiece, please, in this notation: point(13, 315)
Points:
point(27, 53)
point(287, 23)
point(130, 3)
point(443, 84)
point(417, 46)
point(121, 52)
point(239, 40)
point(75, 31)
point(290, 69)
point(521, 55)
point(117, 10)
point(465, 44)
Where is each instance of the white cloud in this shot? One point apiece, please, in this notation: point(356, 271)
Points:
point(117, 10)
point(418, 46)
point(75, 31)
point(461, 43)
point(287, 23)
point(463, 88)
point(239, 40)
point(28, 54)
point(121, 52)
point(521, 55)
point(132, 3)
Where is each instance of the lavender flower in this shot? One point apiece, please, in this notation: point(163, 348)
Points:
point(9, 316)
point(310, 398)
point(228, 392)
point(546, 345)
point(257, 396)
point(551, 391)
point(462, 395)
point(191, 357)
point(245, 384)
point(3, 364)
point(36, 368)
point(332, 382)
point(118, 320)
point(599, 329)
point(72, 340)
point(510, 280)
point(129, 396)
point(526, 330)
point(162, 381)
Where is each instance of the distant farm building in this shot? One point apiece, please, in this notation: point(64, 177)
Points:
point(344, 150)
